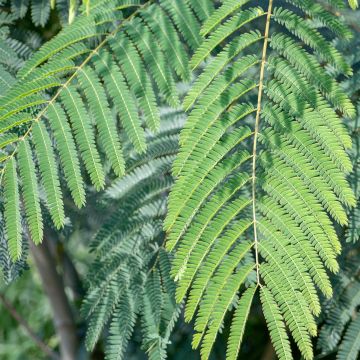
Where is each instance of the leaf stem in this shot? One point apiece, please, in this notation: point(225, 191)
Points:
point(256, 132)
point(72, 76)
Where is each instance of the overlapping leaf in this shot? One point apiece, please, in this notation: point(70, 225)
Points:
point(261, 173)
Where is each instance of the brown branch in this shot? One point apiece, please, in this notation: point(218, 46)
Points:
point(22, 322)
point(269, 352)
point(54, 287)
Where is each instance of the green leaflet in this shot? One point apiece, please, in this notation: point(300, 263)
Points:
point(218, 16)
point(12, 210)
point(224, 31)
point(40, 11)
point(82, 28)
point(68, 154)
point(123, 99)
point(219, 63)
point(319, 13)
point(105, 122)
point(354, 4)
point(121, 328)
point(170, 42)
point(20, 7)
point(184, 20)
point(223, 302)
point(84, 135)
point(139, 81)
point(350, 347)
point(202, 8)
point(276, 324)
point(30, 192)
point(309, 67)
point(49, 173)
point(238, 325)
point(154, 59)
point(7, 139)
point(312, 38)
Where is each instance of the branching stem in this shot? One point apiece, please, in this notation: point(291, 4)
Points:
point(71, 78)
point(256, 132)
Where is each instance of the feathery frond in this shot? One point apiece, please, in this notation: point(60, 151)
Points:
point(339, 322)
point(261, 173)
point(10, 269)
point(69, 95)
point(30, 192)
point(130, 277)
point(339, 331)
point(12, 211)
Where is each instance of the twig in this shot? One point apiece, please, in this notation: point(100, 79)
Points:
point(44, 347)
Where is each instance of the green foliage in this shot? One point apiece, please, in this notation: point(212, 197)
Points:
point(31, 192)
point(276, 324)
point(10, 269)
point(15, 342)
point(12, 211)
point(69, 95)
point(339, 330)
point(354, 4)
point(39, 11)
point(129, 280)
point(350, 347)
point(261, 173)
point(264, 180)
point(352, 232)
point(13, 53)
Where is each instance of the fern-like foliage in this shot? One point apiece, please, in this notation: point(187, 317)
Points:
point(12, 56)
point(129, 280)
point(340, 331)
point(261, 172)
point(10, 270)
point(13, 53)
point(40, 10)
point(351, 233)
point(69, 95)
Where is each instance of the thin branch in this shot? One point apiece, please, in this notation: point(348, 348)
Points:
point(54, 287)
point(44, 347)
point(256, 132)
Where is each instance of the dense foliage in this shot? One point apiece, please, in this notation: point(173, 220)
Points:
point(180, 161)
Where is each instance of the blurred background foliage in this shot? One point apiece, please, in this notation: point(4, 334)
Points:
point(24, 26)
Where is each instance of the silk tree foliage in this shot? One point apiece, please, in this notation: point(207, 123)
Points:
point(129, 280)
point(260, 184)
point(339, 332)
point(10, 270)
point(13, 52)
point(41, 10)
point(69, 95)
